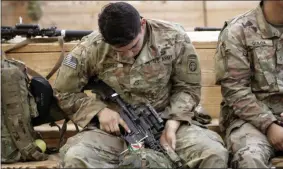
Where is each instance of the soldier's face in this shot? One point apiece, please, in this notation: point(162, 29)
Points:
point(281, 4)
point(278, 3)
point(133, 48)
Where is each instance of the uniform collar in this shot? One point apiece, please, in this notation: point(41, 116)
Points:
point(150, 50)
point(122, 59)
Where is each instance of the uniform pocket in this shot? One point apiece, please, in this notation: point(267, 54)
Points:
point(109, 77)
point(265, 67)
point(156, 73)
point(150, 80)
point(220, 62)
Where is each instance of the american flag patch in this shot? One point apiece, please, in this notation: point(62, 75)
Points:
point(70, 61)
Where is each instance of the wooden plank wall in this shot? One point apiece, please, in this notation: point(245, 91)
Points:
point(42, 57)
point(83, 14)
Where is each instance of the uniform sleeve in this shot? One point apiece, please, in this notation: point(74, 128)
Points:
point(186, 78)
point(233, 73)
point(73, 75)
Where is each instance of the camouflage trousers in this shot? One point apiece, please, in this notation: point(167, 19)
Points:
point(249, 147)
point(196, 146)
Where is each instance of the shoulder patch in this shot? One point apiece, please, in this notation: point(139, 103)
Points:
point(70, 61)
point(193, 66)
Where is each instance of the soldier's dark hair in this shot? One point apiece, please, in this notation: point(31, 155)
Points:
point(119, 23)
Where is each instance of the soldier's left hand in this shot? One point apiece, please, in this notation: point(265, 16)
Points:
point(168, 137)
point(275, 136)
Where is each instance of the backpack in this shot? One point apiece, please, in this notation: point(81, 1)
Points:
point(18, 108)
point(27, 103)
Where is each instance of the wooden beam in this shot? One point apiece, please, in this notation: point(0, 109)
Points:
point(52, 162)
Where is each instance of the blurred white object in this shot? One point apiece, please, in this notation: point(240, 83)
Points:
point(20, 20)
point(204, 36)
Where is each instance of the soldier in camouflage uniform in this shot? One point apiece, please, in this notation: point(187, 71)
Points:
point(249, 68)
point(143, 60)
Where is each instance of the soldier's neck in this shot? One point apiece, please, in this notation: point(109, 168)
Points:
point(145, 39)
point(273, 12)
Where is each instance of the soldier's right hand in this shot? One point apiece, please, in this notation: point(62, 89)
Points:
point(275, 136)
point(109, 121)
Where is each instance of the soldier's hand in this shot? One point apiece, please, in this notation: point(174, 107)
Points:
point(168, 136)
point(110, 120)
point(275, 136)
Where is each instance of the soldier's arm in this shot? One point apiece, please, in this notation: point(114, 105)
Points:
point(233, 72)
point(73, 75)
point(186, 78)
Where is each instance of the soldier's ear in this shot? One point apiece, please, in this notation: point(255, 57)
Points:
point(143, 23)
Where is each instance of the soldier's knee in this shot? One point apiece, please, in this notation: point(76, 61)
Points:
point(71, 160)
point(210, 158)
point(250, 153)
point(215, 158)
point(218, 154)
point(249, 157)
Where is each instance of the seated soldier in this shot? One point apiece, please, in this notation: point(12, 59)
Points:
point(144, 61)
point(249, 68)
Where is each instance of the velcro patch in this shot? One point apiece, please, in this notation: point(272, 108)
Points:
point(257, 43)
point(70, 61)
point(193, 65)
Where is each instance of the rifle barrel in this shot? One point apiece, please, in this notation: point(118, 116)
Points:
point(75, 33)
point(207, 29)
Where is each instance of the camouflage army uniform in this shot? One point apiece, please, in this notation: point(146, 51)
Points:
point(166, 72)
point(249, 68)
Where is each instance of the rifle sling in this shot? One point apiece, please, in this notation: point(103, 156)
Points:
point(60, 59)
point(25, 42)
point(18, 45)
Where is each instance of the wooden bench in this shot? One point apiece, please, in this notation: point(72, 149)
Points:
point(42, 57)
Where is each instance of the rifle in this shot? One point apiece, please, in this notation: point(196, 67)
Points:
point(144, 122)
point(207, 29)
point(33, 30)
